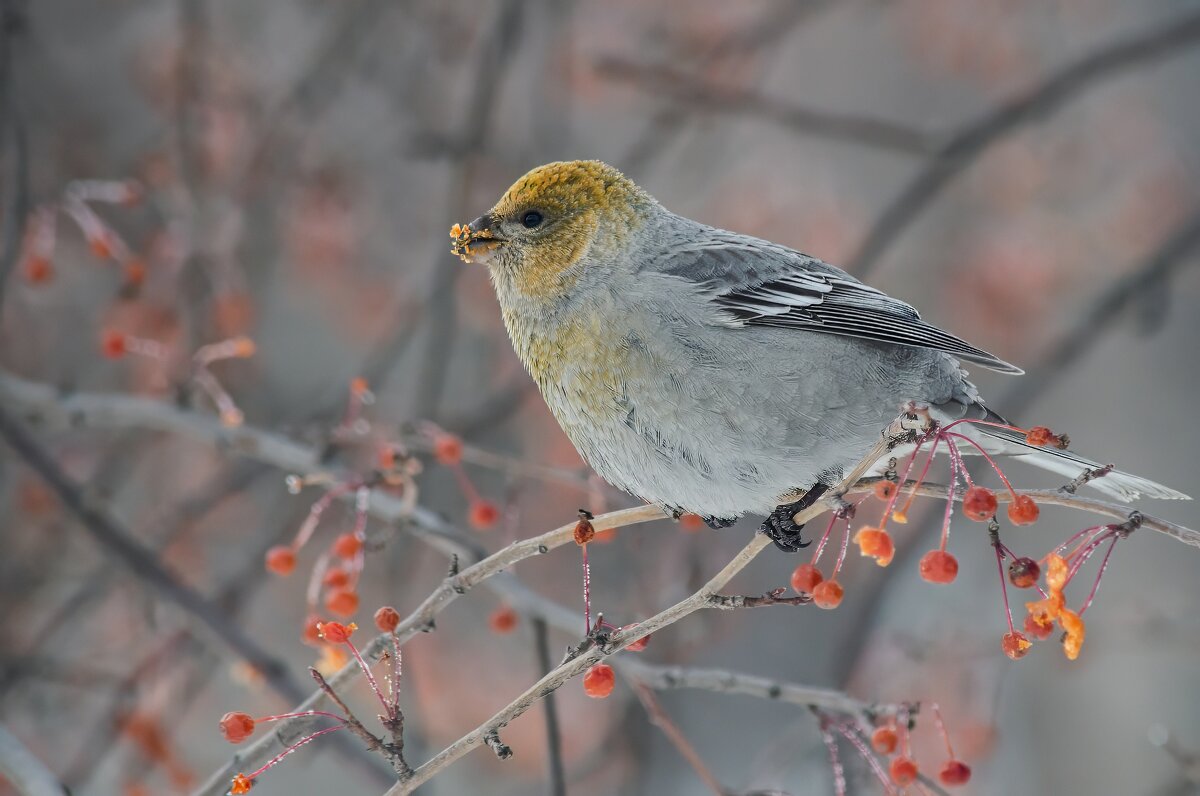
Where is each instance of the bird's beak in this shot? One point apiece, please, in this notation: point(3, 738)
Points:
point(476, 238)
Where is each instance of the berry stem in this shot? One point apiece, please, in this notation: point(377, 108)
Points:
point(305, 740)
point(835, 762)
point(837, 567)
point(937, 717)
point(921, 479)
point(301, 714)
point(1003, 591)
point(824, 538)
point(1103, 566)
point(362, 664)
point(851, 735)
point(587, 592)
point(891, 504)
point(989, 459)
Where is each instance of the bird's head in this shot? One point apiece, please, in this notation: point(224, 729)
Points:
point(552, 224)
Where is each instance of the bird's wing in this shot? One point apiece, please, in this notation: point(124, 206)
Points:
point(757, 283)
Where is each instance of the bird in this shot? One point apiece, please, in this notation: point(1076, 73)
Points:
point(716, 373)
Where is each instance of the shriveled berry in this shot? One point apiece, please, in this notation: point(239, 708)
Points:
point(885, 489)
point(903, 771)
point(884, 740)
point(342, 602)
point(806, 577)
point(876, 543)
point(503, 620)
point(237, 726)
point(979, 503)
point(1039, 435)
point(241, 785)
point(1015, 645)
point(336, 632)
point(938, 566)
point(828, 594)
point(483, 515)
point(447, 448)
point(954, 772)
point(387, 619)
point(1074, 632)
point(1023, 572)
point(346, 545)
point(1023, 511)
point(599, 680)
point(336, 578)
point(1038, 626)
point(281, 560)
point(113, 344)
point(584, 531)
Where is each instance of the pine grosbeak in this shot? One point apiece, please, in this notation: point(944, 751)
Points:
point(713, 372)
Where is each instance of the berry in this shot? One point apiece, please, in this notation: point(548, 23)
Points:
point(828, 594)
point(135, 272)
point(806, 577)
point(1023, 572)
point(241, 785)
point(386, 456)
point(311, 635)
point(1015, 645)
point(281, 560)
point(1039, 435)
point(584, 532)
point(1038, 627)
point(954, 772)
point(236, 726)
point(1074, 629)
point(38, 270)
point(640, 644)
point(347, 545)
point(359, 387)
point(101, 246)
point(113, 344)
point(483, 515)
point(1023, 511)
point(876, 543)
point(598, 681)
point(336, 578)
point(691, 522)
point(979, 503)
point(336, 632)
point(447, 448)
point(885, 489)
point(342, 602)
point(884, 740)
point(243, 347)
point(387, 619)
point(903, 771)
point(938, 566)
point(503, 620)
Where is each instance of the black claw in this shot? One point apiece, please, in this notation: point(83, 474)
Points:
point(717, 523)
point(782, 529)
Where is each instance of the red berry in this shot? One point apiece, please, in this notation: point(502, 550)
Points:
point(691, 522)
point(1015, 645)
point(483, 515)
point(101, 246)
point(938, 566)
point(584, 531)
point(241, 785)
point(447, 448)
point(828, 594)
point(342, 602)
point(135, 272)
point(903, 771)
point(876, 543)
point(1040, 436)
point(237, 727)
point(38, 270)
point(885, 489)
point(387, 457)
point(640, 644)
point(113, 344)
point(311, 634)
point(346, 545)
point(387, 619)
point(806, 577)
point(1039, 627)
point(884, 740)
point(281, 560)
point(599, 680)
point(336, 632)
point(503, 620)
point(336, 578)
point(1023, 572)
point(979, 503)
point(955, 772)
point(1023, 511)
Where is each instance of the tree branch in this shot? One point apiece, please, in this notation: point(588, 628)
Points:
point(28, 775)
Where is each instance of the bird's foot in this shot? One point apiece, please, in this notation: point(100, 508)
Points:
point(781, 526)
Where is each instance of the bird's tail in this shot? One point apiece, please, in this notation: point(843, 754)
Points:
point(1123, 486)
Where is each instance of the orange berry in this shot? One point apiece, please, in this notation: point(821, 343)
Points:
point(903, 771)
point(237, 726)
point(938, 566)
point(387, 619)
point(336, 578)
point(336, 632)
point(503, 620)
point(876, 543)
point(954, 772)
point(135, 272)
point(885, 489)
point(101, 246)
point(584, 532)
point(1023, 572)
point(1015, 645)
point(346, 545)
point(447, 448)
point(113, 344)
point(483, 515)
point(1056, 572)
point(1042, 436)
point(979, 503)
point(806, 577)
point(244, 347)
point(241, 785)
point(1038, 626)
point(1074, 632)
point(1023, 511)
point(598, 681)
point(359, 386)
point(281, 560)
point(38, 270)
point(386, 456)
point(311, 635)
point(691, 522)
point(342, 602)
point(884, 740)
point(827, 594)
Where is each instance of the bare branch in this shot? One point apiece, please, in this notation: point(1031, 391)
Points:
point(660, 719)
point(27, 774)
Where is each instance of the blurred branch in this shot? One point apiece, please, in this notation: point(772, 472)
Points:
point(660, 719)
point(699, 95)
point(28, 775)
point(12, 126)
point(558, 778)
point(965, 146)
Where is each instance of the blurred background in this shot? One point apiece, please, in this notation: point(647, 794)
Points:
point(1026, 173)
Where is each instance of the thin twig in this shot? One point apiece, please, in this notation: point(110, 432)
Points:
point(558, 778)
point(660, 719)
point(28, 775)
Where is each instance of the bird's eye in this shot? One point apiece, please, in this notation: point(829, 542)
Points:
point(531, 219)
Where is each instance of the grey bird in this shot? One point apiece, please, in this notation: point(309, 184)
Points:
point(712, 372)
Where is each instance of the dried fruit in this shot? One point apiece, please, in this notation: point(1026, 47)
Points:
point(599, 680)
point(1074, 631)
point(1038, 627)
point(938, 566)
point(342, 602)
point(584, 532)
point(346, 545)
point(806, 577)
point(979, 503)
point(828, 594)
point(903, 771)
point(1023, 572)
point(1015, 645)
point(281, 560)
point(954, 772)
point(387, 619)
point(237, 726)
point(876, 543)
point(1039, 435)
point(884, 740)
point(1023, 511)
point(483, 515)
